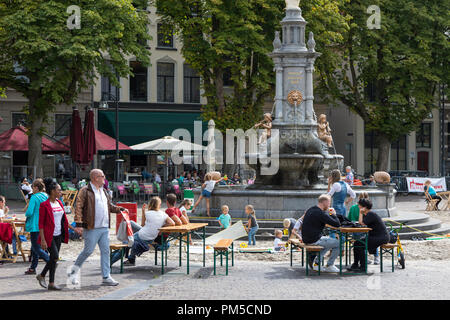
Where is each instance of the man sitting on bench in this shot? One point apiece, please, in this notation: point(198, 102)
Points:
point(314, 222)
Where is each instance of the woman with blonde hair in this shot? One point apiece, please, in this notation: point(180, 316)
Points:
point(152, 220)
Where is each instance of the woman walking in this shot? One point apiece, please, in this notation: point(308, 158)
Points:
point(32, 224)
point(53, 229)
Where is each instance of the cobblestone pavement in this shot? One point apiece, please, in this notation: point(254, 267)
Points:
point(261, 280)
point(246, 280)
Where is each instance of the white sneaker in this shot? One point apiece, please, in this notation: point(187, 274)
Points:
point(109, 282)
point(315, 267)
point(369, 262)
point(376, 261)
point(74, 275)
point(331, 269)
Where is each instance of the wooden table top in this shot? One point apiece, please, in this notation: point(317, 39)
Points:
point(350, 230)
point(354, 230)
point(183, 228)
point(16, 220)
point(445, 193)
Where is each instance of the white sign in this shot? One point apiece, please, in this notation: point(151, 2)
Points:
point(415, 184)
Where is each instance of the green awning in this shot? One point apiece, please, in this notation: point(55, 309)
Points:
point(141, 126)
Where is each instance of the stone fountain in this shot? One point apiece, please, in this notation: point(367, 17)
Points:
point(303, 158)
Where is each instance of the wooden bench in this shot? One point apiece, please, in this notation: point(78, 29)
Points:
point(114, 247)
point(296, 243)
point(387, 248)
point(315, 249)
point(220, 249)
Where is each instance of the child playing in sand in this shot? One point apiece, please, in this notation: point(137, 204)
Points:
point(278, 244)
point(252, 225)
point(207, 187)
point(224, 218)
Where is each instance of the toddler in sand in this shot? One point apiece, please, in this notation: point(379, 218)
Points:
point(278, 244)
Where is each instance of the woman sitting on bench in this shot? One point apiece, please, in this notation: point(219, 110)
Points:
point(152, 220)
point(376, 237)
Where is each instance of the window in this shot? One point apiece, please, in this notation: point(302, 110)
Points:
point(191, 85)
point(166, 82)
point(423, 136)
point(18, 119)
point(398, 154)
point(227, 81)
point(62, 125)
point(108, 89)
point(370, 92)
point(165, 36)
point(370, 153)
point(138, 82)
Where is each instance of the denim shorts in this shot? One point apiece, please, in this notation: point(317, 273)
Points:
point(206, 193)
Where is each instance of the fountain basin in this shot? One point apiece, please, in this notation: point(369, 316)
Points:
point(280, 204)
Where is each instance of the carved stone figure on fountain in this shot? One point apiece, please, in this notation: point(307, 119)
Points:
point(266, 124)
point(324, 131)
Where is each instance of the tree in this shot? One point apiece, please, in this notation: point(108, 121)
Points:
point(228, 37)
point(50, 63)
point(402, 62)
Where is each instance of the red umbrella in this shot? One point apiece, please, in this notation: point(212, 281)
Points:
point(16, 139)
point(90, 146)
point(103, 142)
point(76, 138)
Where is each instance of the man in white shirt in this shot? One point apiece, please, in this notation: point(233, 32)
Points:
point(92, 217)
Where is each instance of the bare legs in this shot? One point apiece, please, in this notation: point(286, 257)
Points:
point(198, 202)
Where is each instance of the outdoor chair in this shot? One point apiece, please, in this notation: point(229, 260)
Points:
point(24, 198)
point(431, 203)
point(122, 192)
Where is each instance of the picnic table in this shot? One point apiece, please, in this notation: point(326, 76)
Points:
point(15, 223)
point(180, 232)
point(445, 196)
point(345, 236)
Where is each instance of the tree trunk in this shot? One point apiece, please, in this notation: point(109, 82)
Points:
point(35, 143)
point(384, 147)
point(219, 91)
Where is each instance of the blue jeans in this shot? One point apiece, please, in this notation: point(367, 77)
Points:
point(36, 251)
point(252, 235)
point(328, 244)
point(139, 247)
point(91, 238)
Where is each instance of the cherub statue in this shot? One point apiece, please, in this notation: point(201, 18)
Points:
point(324, 131)
point(265, 124)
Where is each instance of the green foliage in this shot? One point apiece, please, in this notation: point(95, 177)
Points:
point(405, 61)
point(220, 35)
point(50, 64)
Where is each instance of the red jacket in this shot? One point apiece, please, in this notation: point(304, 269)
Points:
point(6, 232)
point(47, 222)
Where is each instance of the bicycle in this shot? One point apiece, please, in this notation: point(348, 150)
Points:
point(400, 250)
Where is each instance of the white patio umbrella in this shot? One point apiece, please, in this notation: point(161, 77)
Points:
point(166, 145)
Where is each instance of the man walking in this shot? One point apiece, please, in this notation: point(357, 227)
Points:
point(92, 217)
point(314, 222)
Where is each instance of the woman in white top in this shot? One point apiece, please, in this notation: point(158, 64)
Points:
point(152, 220)
point(26, 188)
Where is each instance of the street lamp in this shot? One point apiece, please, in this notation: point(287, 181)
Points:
point(104, 105)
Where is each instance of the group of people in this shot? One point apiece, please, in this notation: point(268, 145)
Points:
point(47, 223)
point(310, 227)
